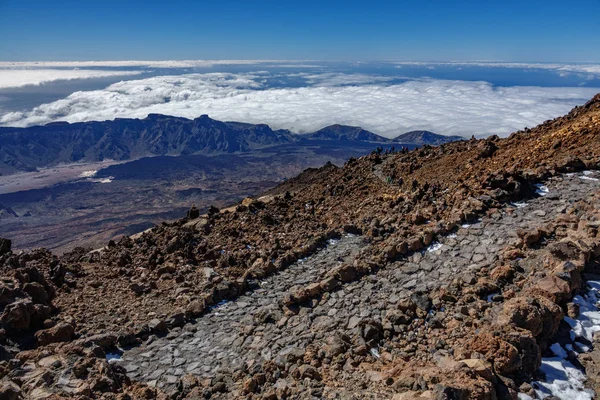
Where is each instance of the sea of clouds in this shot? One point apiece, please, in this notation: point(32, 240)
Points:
point(377, 103)
point(15, 78)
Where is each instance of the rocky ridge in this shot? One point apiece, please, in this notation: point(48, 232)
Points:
point(165, 278)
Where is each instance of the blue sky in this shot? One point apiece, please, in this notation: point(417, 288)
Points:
point(507, 30)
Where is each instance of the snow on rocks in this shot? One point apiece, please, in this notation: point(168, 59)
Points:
point(563, 379)
point(541, 190)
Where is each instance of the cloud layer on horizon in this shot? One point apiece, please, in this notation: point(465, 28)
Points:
point(443, 106)
point(14, 78)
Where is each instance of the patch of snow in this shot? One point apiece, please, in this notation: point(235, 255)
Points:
point(375, 352)
point(519, 204)
point(102, 180)
point(589, 178)
point(542, 190)
point(114, 356)
point(88, 174)
point(221, 305)
point(465, 226)
point(588, 172)
point(333, 242)
point(563, 379)
point(523, 396)
point(558, 350)
point(451, 236)
point(434, 247)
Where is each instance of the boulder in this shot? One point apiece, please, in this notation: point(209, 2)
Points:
point(5, 246)
point(61, 332)
point(9, 390)
point(415, 244)
point(536, 314)
point(502, 355)
point(16, 316)
point(554, 288)
point(481, 367)
point(529, 237)
point(37, 292)
point(157, 325)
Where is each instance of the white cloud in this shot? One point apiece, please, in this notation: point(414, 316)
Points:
point(11, 78)
point(560, 68)
point(443, 106)
point(150, 64)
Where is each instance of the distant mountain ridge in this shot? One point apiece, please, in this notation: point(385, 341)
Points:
point(345, 132)
point(426, 137)
point(25, 149)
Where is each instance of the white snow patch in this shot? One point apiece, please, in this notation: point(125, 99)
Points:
point(588, 178)
point(114, 356)
point(333, 242)
point(519, 204)
point(588, 172)
point(434, 247)
point(563, 379)
point(102, 180)
point(375, 352)
point(451, 236)
point(558, 350)
point(542, 190)
point(88, 174)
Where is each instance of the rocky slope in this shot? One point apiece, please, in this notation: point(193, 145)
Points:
point(418, 325)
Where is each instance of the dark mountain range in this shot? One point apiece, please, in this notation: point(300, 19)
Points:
point(123, 139)
point(25, 149)
point(426, 137)
point(344, 132)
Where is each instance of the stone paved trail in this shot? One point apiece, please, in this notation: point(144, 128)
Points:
point(253, 328)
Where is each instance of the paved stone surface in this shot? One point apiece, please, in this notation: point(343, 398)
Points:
point(253, 328)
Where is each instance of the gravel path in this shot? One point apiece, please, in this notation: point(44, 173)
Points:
point(254, 328)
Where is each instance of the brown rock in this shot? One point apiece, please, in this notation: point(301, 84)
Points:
point(308, 371)
point(481, 367)
point(536, 314)
point(9, 390)
point(402, 248)
point(329, 284)
point(554, 288)
point(415, 244)
point(390, 252)
point(61, 332)
point(36, 291)
point(529, 237)
point(427, 238)
point(346, 273)
point(501, 354)
point(16, 316)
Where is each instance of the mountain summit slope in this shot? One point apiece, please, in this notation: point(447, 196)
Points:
point(343, 132)
point(471, 328)
point(426, 137)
